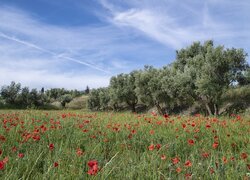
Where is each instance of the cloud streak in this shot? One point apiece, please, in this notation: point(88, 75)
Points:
point(176, 24)
point(51, 52)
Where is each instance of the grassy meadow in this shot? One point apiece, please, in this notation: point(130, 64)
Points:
point(87, 145)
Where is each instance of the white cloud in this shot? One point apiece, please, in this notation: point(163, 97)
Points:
point(177, 24)
point(38, 54)
point(48, 79)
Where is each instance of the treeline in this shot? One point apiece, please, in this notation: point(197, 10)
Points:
point(16, 96)
point(203, 79)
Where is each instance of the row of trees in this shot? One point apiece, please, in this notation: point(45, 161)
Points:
point(209, 79)
point(15, 96)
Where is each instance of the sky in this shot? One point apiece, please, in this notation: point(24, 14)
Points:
point(77, 43)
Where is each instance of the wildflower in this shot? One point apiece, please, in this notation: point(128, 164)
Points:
point(191, 142)
point(205, 155)
point(151, 147)
point(158, 146)
point(163, 157)
point(20, 155)
point(224, 159)
point(166, 116)
point(56, 164)
point(188, 163)
point(212, 170)
point(93, 165)
point(184, 126)
point(178, 170)
point(208, 126)
point(215, 145)
point(51, 147)
point(243, 155)
point(14, 149)
point(175, 160)
point(188, 176)
point(79, 152)
point(3, 162)
point(2, 165)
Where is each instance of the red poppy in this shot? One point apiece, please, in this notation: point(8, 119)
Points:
point(93, 165)
point(212, 170)
point(184, 126)
point(215, 145)
point(151, 147)
point(205, 155)
point(20, 155)
point(191, 142)
point(79, 152)
point(224, 159)
point(243, 155)
point(56, 164)
point(178, 170)
point(158, 146)
point(14, 149)
point(3, 162)
point(175, 160)
point(188, 176)
point(151, 132)
point(166, 116)
point(51, 147)
point(163, 157)
point(208, 126)
point(188, 163)
point(2, 165)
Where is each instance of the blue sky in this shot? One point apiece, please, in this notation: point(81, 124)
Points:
point(72, 44)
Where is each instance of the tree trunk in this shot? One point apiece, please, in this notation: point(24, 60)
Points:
point(208, 109)
point(159, 109)
point(215, 110)
point(133, 108)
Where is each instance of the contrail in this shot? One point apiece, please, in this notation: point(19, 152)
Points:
point(51, 52)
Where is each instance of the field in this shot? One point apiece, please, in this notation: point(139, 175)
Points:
point(84, 145)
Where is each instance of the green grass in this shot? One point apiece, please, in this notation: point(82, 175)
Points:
point(119, 143)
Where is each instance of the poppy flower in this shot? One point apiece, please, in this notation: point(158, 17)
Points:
point(51, 147)
point(188, 163)
point(184, 126)
point(205, 155)
point(175, 160)
point(188, 176)
point(79, 152)
point(93, 165)
point(2, 165)
point(191, 142)
point(212, 170)
point(208, 126)
point(224, 159)
point(14, 149)
point(243, 155)
point(56, 164)
point(158, 146)
point(20, 155)
point(215, 145)
point(178, 170)
point(3, 162)
point(151, 147)
point(166, 116)
point(163, 157)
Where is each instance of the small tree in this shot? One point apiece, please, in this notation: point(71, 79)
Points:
point(87, 90)
point(10, 93)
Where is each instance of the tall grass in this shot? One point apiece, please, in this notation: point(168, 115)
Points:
point(59, 145)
